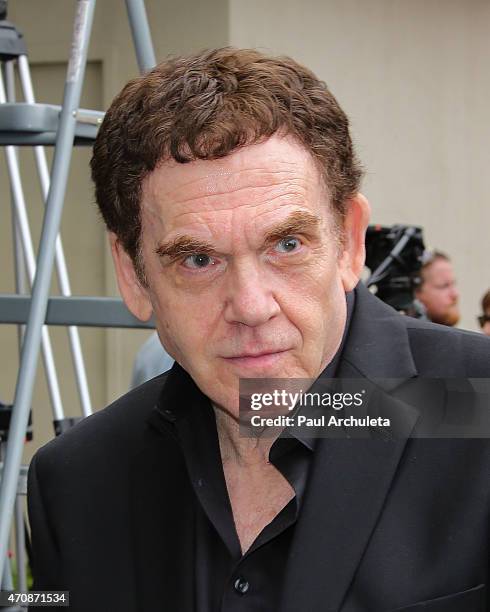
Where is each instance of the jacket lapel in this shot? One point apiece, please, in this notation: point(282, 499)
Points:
point(377, 346)
point(350, 477)
point(163, 521)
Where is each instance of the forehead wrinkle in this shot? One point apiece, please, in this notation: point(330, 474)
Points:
point(254, 179)
point(233, 191)
point(276, 155)
point(243, 178)
point(197, 224)
point(256, 196)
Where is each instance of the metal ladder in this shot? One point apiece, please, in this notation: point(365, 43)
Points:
point(37, 125)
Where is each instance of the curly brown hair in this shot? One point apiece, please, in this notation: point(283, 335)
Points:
point(205, 106)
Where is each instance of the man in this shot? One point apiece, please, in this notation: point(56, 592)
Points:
point(230, 190)
point(484, 319)
point(437, 291)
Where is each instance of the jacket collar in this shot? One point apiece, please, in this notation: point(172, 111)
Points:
point(377, 346)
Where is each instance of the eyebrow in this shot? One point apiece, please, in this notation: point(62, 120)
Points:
point(297, 222)
point(183, 246)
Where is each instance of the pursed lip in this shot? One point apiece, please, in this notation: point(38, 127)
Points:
point(254, 355)
point(254, 362)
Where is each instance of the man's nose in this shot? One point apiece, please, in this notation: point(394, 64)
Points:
point(454, 293)
point(250, 298)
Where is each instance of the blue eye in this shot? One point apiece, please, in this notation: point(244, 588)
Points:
point(289, 244)
point(198, 260)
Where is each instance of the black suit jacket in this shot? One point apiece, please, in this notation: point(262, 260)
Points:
point(386, 524)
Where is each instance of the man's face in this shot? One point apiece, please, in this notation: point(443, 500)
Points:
point(243, 268)
point(486, 325)
point(439, 293)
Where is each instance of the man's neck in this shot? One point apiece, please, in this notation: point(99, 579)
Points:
point(236, 448)
point(256, 489)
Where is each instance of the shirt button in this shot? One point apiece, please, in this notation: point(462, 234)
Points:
point(169, 415)
point(241, 585)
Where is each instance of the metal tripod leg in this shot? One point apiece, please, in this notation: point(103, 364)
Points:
point(6, 573)
point(19, 261)
point(40, 292)
point(20, 287)
point(7, 582)
point(141, 34)
point(63, 280)
point(20, 544)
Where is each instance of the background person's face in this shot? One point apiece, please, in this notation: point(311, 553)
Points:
point(486, 326)
point(439, 293)
point(243, 270)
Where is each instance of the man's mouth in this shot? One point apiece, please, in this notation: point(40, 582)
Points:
point(259, 359)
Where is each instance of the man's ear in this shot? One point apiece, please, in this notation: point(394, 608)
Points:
point(352, 258)
point(133, 293)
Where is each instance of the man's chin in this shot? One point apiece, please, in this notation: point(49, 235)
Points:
point(449, 318)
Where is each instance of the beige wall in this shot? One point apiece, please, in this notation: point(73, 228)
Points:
point(412, 75)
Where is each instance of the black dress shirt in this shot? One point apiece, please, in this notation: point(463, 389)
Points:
point(227, 580)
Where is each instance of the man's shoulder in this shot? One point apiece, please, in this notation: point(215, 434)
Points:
point(455, 351)
point(385, 343)
point(116, 430)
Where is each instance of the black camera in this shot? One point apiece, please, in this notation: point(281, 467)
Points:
point(394, 258)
